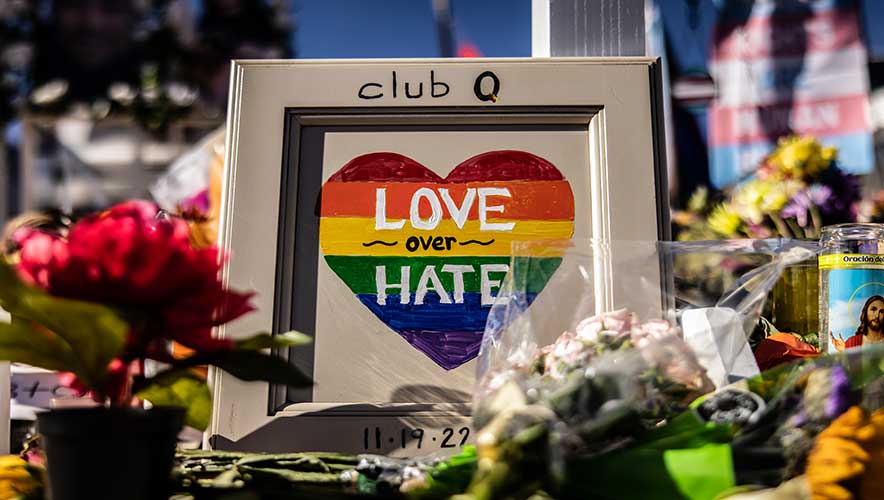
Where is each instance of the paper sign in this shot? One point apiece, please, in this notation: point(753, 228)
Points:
point(426, 254)
point(372, 205)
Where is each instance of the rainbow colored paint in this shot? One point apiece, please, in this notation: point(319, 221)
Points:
point(427, 255)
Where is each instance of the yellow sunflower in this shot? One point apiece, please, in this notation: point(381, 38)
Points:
point(847, 461)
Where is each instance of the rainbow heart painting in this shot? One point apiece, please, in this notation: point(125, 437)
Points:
point(427, 255)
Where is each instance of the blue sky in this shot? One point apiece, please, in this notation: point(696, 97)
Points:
point(406, 28)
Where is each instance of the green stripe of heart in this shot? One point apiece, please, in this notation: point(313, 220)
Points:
point(358, 272)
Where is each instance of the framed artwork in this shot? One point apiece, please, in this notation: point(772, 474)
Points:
point(373, 204)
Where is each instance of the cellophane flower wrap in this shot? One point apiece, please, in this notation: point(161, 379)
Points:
point(597, 360)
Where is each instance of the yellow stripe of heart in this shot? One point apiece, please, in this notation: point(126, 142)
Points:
point(347, 235)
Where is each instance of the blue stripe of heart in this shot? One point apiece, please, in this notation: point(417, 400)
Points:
point(432, 315)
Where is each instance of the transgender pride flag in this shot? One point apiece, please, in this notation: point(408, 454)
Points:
point(787, 67)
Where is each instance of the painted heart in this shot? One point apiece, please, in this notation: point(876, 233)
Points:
point(427, 255)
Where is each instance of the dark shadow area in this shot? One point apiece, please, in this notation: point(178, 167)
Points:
point(407, 393)
point(357, 428)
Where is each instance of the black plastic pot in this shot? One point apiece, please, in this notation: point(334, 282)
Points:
point(110, 453)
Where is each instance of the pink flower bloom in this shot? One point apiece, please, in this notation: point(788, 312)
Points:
point(129, 258)
point(589, 329)
point(567, 348)
point(619, 321)
point(652, 331)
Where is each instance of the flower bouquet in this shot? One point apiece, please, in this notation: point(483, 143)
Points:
point(591, 392)
point(610, 415)
point(795, 191)
point(96, 300)
point(619, 408)
point(616, 408)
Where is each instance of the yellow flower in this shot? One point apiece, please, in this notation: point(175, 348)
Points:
point(698, 200)
point(18, 479)
point(724, 221)
point(829, 153)
point(759, 197)
point(778, 194)
point(749, 197)
point(847, 461)
point(800, 157)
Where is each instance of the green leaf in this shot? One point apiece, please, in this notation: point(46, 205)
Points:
point(23, 342)
point(268, 341)
point(95, 333)
point(449, 477)
point(180, 388)
point(686, 474)
point(250, 366)
point(701, 473)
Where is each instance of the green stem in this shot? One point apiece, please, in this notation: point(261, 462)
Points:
point(781, 226)
point(817, 220)
point(796, 229)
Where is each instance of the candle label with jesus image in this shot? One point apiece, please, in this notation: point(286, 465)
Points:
point(855, 300)
point(426, 254)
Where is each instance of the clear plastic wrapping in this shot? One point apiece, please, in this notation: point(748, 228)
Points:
point(554, 287)
point(591, 347)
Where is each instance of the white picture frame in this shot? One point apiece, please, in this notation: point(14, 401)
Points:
point(282, 114)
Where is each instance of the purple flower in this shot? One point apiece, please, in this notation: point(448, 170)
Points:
point(797, 208)
point(835, 196)
point(839, 392)
point(819, 195)
point(800, 205)
point(199, 202)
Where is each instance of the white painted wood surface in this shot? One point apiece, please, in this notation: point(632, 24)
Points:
point(579, 28)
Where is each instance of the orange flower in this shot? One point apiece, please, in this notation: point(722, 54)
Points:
point(847, 461)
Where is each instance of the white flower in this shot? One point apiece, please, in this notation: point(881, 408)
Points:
point(49, 92)
point(150, 94)
point(122, 93)
point(181, 95)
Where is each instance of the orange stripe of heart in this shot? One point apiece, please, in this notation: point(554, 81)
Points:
point(530, 200)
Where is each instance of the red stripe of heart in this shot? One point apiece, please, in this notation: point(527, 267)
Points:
point(503, 165)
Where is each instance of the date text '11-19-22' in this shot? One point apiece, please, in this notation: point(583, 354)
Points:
point(449, 437)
